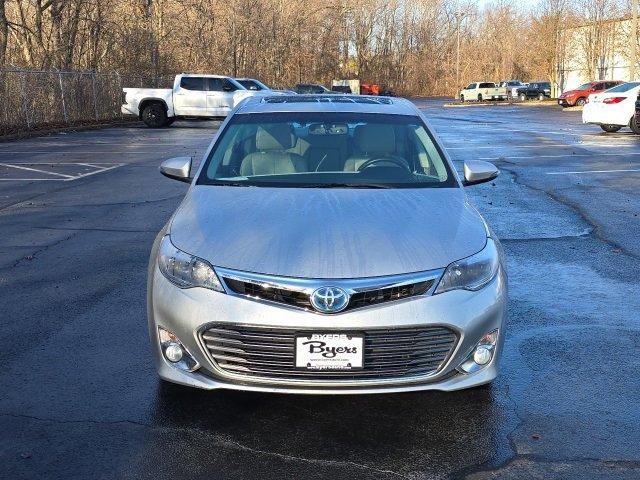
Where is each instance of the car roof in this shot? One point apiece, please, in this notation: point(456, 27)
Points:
point(203, 75)
point(328, 103)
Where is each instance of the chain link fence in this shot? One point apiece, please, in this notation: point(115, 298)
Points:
point(44, 99)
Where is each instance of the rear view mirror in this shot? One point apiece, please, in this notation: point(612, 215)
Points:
point(477, 171)
point(178, 168)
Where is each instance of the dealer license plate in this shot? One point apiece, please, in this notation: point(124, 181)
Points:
point(330, 351)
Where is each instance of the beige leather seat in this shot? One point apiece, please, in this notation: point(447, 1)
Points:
point(271, 156)
point(371, 141)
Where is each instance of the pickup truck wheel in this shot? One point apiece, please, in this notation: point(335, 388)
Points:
point(581, 102)
point(634, 124)
point(154, 115)
point(523, 97)
point(610, 128)
point(541, 96)
point(480, 97)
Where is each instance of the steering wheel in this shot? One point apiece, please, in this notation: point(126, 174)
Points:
point(397, 161)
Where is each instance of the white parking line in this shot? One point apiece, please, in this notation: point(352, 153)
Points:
point(34, 170)
point(595, 171)
point(99, 168)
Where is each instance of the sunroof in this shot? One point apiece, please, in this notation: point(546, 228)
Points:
point(337, 98)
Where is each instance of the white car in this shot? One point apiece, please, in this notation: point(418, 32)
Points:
point(479, 91)
point(613, 108)
point(194, 96)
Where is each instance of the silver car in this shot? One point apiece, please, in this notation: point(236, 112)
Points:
point(326, 245)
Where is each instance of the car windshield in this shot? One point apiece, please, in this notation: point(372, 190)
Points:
point(249, 84)
point(585, 86)
point(625, 87)
point(326, 150)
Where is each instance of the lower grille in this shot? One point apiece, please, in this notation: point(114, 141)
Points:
point(269, 353)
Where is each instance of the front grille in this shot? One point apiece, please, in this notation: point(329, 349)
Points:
point(279, 295)
point(381, 295)
point(301, 300)
point(268, 353)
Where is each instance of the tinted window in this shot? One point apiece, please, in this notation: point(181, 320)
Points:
point(487, 85)
point(192, 83)
point(249, 84)
point(471, 86)
point(625, 87)
point(215, 84)
point(228, 86)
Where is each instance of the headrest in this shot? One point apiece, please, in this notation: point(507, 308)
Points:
point(374, 137)
point(274, 137)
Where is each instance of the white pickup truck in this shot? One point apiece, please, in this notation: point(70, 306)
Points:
point(192, 95)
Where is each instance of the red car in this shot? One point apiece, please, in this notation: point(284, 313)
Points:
point(579, 95)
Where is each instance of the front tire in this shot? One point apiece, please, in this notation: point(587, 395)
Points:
point(541, 96)
point(634, 124)
point(462, 98)
point(610, 128)
point(154, 115)
point(480, 97)
point(581, 102)
point(522, 97)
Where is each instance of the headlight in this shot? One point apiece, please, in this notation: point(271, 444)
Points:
point(471, 273)
point(185, 270)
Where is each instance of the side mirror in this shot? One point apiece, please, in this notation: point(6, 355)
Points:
point(477, 171)
point(178, 168)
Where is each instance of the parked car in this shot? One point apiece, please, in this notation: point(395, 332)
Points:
point(387, 92)
point(311, 88)
point(539, 90)
point(479, 91)
point(257, 85)
point(353, 263)
point(201, 96)
point(614, 108)
point(341, 89)
point(510, 88)
point(370, 89)
point(578, 96)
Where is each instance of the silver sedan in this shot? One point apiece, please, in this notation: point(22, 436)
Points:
point(327, 245)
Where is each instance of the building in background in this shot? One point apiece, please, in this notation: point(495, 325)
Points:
point(596, 51)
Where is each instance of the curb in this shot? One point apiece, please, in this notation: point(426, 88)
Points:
point(502, 104)
point(74, 128)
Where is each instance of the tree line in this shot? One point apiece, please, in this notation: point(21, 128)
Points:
point(414, 47)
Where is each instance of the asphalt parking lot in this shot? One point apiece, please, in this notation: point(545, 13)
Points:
point(79, 397)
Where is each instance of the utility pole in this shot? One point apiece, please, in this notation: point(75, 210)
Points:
point(634, 39)
point(459, 16)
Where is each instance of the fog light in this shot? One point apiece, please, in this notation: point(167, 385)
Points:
point(175, 352)
point(482, 355)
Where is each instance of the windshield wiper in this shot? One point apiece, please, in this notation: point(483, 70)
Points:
point(348, 185)
point(224, 183)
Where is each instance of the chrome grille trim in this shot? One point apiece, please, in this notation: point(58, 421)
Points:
point(295, 292)
point(266, 354)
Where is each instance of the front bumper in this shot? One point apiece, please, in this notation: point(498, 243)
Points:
point(186, 311)
point(127, 109)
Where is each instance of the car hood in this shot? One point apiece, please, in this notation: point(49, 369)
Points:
point(572, 92)
point(327, 233)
